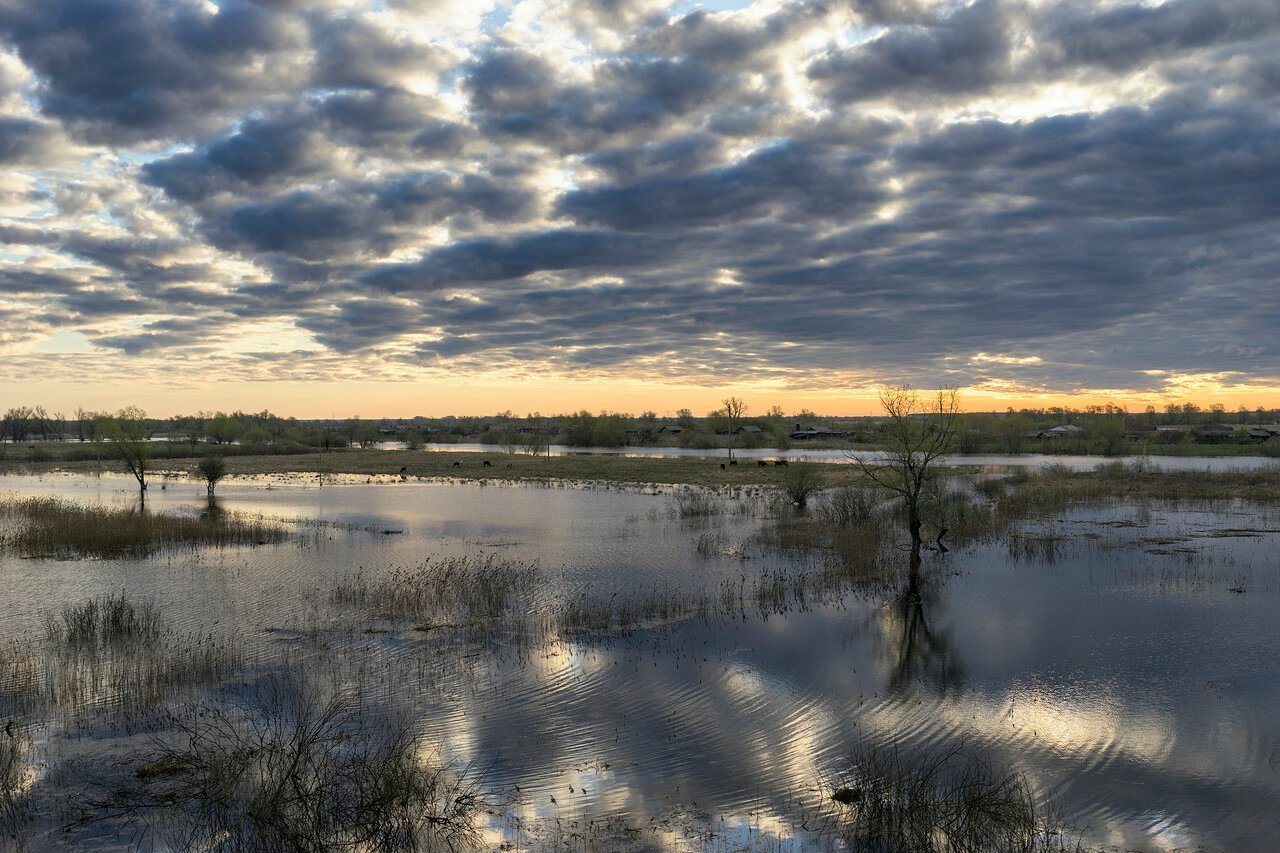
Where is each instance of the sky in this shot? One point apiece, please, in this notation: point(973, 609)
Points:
point(400, 207)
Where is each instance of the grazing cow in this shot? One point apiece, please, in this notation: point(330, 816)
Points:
point(403, 473)
point(733, 461)
point(779, 463)
point(457, 464)
point(487, 464)
point(762, 463)
point(721, 466)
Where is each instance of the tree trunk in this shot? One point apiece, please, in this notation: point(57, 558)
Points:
point(913, 524)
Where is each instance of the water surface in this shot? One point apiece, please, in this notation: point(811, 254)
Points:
point(1124, 657)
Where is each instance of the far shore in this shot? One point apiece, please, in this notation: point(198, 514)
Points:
point(1110, 478)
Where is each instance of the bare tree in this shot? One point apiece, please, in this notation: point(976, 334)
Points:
point(919, 433)
point(734, 410)
point(128, 433)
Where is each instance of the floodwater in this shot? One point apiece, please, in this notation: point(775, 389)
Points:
point(1124, 657)
point(840, 457)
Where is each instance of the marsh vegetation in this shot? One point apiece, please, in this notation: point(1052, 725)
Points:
point(53, 527)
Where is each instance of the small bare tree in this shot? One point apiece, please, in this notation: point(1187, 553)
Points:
point(919, 433)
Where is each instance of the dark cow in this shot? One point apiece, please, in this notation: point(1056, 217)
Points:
point(721, 466)
point(780, 463)
point(733, 461)
point(487, 464)
point(762, 463)
point(457, 464)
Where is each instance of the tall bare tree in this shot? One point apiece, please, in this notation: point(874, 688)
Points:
point(734, 410)
point(918, 434)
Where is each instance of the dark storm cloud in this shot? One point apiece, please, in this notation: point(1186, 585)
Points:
point(965, 51)
point(517, 93)
point(826, 187)
point(23, 139)
point(1130, 35)
point(790, 180)
point(128, 69)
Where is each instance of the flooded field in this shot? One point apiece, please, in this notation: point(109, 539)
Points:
point(649, 669)
point(843, 457)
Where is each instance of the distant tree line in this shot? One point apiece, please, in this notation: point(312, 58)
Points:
point(1092, 429)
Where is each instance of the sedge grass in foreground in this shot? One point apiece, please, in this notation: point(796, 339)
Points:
point(291, 767)
point(109, 653)
point(943, 801)
point(52, 527)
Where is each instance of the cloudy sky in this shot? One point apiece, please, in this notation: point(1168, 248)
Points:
point(432, 206)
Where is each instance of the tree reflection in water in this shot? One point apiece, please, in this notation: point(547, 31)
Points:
point(922, 657)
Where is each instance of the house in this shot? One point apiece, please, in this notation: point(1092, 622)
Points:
point(1217, 432)
point(667, 429)
point(1060, 431)
point(1140, 432)
point(748, 429)
point(1263, 433)
point(815, 433)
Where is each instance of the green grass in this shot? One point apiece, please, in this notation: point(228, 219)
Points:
point(53, 527)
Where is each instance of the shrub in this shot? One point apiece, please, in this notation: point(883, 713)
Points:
point(800, 481)
point(851, 504)
point(293, 770)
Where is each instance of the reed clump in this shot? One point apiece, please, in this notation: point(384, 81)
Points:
point(290, 768)
point(584, 616)
point(447, 589)
point(692, 502)
point(52, 527)
point(109, 621)
point(942, 801)
point(115, 653)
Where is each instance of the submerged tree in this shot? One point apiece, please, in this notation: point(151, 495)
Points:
point(127, 432)
point(919, 433)
point(211, 469)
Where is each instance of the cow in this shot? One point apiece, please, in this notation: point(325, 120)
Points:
point(487, 464)
point(721, 466)
point(779, 463)
point(733, 461)
point(762, 463)
point(457, 465)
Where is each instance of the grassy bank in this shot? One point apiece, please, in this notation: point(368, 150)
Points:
point(1116, 478)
